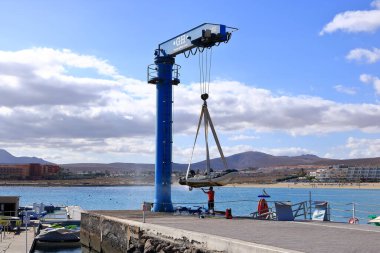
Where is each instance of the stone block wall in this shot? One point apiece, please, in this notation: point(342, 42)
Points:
point(102, 234)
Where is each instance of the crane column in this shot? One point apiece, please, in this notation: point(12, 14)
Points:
point(163, 202)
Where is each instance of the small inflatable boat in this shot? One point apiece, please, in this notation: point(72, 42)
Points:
point(213, 179)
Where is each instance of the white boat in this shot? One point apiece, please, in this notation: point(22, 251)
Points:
point(54, 236)
point(376, 220)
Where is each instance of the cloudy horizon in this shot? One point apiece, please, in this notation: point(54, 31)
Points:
point(70, 105)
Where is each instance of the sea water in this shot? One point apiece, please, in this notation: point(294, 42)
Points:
point(242, 200)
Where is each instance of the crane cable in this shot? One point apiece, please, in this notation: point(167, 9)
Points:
point(205, 62)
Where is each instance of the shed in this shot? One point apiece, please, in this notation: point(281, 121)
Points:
point(9, 205)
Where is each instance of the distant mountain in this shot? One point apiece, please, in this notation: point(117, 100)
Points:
point(7, 158)
point(238, 161)
point(365, 162)
point(111, 167)
point(251, 159)
point(254, 159)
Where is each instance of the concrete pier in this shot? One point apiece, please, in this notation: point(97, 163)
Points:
point(11, 242)
point(124, 231)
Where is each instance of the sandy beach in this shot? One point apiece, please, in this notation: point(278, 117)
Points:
point(312, 185)
point(126, 182)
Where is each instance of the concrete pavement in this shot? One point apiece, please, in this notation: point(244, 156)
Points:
point(270, 236)
point(16, 243)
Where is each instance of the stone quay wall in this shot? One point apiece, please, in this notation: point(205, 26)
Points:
point(105, 234)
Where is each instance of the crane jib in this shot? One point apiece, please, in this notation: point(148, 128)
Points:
point(205, 35)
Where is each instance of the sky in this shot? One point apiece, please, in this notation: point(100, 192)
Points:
point(298, 77)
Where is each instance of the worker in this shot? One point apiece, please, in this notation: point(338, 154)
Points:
point(211, 195)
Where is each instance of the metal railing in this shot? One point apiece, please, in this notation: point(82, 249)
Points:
point(351, 212)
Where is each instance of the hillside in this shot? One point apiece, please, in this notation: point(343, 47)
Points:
point(238, 161)
point(250, 159)
point(7, 158)
point(365, 162)
point(254, 159)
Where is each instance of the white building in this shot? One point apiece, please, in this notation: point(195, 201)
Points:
point(339, 173)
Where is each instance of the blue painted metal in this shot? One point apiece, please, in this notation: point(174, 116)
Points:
point(192, 39)
point(205, 35)
point(163, 202)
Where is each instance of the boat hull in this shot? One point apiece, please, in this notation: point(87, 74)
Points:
point(204, 181)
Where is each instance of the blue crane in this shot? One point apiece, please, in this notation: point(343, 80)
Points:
point(164, 73)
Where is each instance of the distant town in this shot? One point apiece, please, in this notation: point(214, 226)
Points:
point(253, 167)
point(97, 174)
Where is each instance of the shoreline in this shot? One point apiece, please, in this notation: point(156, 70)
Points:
point(369, 186)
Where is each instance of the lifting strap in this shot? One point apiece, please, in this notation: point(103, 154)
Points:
point(195, 141)
point(216, 139)
point(207, 122)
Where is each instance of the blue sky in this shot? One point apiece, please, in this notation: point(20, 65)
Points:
point(297, 77)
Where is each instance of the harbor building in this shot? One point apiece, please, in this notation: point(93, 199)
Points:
point(339, 173)
point(28, 171)
point(9, 205)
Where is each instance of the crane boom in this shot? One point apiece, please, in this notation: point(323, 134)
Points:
point(205, 35)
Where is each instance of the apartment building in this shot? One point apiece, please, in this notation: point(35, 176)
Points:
point(338, 173)
point(28, 171)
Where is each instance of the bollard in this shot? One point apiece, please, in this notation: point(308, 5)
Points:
point(228, 213)
point(147, 206)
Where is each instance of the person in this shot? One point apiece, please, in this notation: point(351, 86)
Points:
point(211, 195)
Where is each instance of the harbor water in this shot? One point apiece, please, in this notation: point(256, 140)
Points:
point(242, 200)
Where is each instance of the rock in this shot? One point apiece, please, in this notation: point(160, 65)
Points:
point(159, 247)
point(131, 249)
point(195, 250)
point(168, 248)
point(149, 247)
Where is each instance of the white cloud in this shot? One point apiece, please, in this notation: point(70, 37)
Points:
point(360, 148)
point(235, 106)
point(78, 150)
point(46, 106)
point(361, 54)
point(346, 90)
point(355, 21)
point(365, 78)
point(287, 151)
point(375, 81)
point(242, 137)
